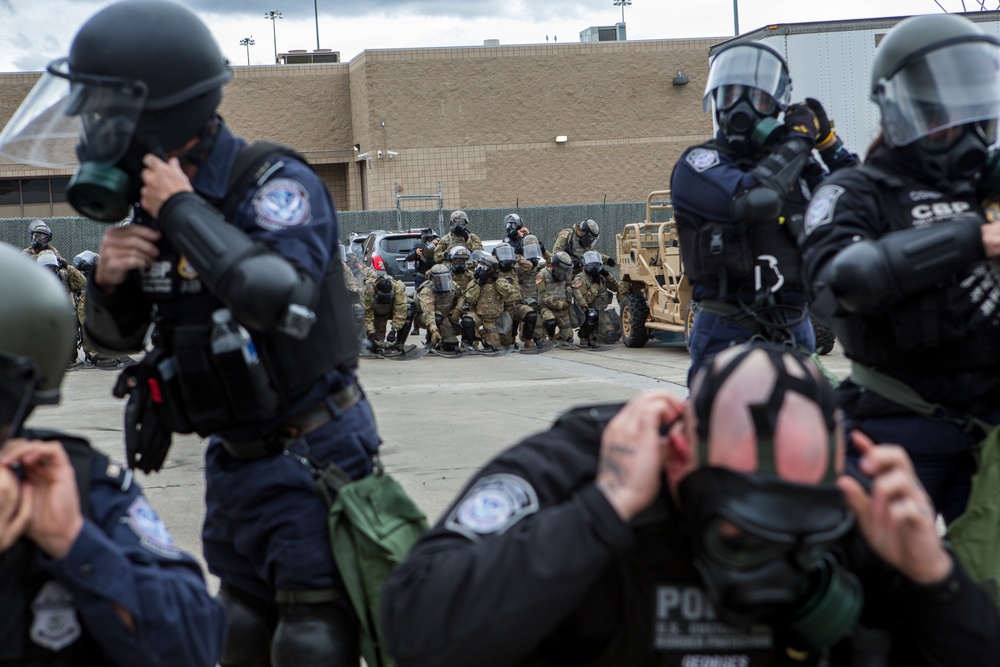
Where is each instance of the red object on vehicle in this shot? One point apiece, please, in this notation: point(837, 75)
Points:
point(377, 263)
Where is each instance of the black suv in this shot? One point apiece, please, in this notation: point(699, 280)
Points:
point(386, 253)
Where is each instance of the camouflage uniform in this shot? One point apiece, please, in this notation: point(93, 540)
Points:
point(473, 243)
point(76, 285)
point(432, 304)
point(567, 241)
point(555, 296)
point(462, 281)
point(378, 314)
point(515, 301)
point(486, 302)
point(596, 293)
point(31, 251)
point(353, 286)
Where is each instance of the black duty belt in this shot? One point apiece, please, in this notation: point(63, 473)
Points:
point(275, 440)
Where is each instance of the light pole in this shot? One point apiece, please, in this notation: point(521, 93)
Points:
point(274, 14)
point(316, 12)
point(736, 18)
point(622, 3)
point(247, 42)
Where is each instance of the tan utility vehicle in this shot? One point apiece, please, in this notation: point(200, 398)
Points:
point(653, 293)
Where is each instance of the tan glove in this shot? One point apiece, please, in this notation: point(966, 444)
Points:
point(435, 337)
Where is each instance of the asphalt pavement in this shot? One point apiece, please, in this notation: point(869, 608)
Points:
point(440, 419)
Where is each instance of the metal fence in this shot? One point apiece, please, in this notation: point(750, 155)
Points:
point(74, 235)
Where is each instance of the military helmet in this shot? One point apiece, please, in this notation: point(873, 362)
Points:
point(562, 259)
point(39, 227)
point(440, 278)
point(86, 261)
point(38, 336)
point(489, 261)
point(459, 253)
point(459, 216)
point(48, 259)
point(162, 49)
point(588, 231)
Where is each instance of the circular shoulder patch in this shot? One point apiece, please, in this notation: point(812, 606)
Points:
point(281, 203)
point(821, 207)
point(703, 159)
point(492, 505)
point(150, 529)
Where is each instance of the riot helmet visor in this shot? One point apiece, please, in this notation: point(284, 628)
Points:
point(69, 117)
point(442, 282)
point(504, 253)
point(752, 65)
point(937, 91)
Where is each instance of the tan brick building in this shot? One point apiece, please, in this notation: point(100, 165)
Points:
point(481, 120)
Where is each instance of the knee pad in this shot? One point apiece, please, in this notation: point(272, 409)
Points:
point(528, 326)
point(550, 327)
point(592, 317)
point(248, 640)
point(315, 634)
point(468, 327)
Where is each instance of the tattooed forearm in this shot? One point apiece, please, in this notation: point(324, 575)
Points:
point(611, 469)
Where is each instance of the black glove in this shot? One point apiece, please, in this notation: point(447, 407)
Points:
point(611, 262)
point(801, 121)
point(826, 132)
point(577, 263)
point(62, 263)
point(392, 336)
point(604, 271)
point(373, 338)
point(482, 280)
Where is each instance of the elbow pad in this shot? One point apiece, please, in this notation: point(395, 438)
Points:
point(757, 205)
point(869, 275)
point(263, 289)
point(780, 170)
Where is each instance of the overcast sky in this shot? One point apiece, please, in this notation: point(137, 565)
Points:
point(37, 31)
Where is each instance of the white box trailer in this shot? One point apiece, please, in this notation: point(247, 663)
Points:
point(831, 61)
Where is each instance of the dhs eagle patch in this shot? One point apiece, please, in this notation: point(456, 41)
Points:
point(150, 529)
point(820, 211)
point(492, 505)
point(281, 203)
point(702, 159)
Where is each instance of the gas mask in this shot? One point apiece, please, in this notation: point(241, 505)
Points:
point(955, 157)
point(532, 252)
point(458, 266)
point(762, 548)
point(39, 241)
point(459, 228)
point(592, 263)
point(746, 117)
point(505, 255)
point(761, 544)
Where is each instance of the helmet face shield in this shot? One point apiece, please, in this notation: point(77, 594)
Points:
point(955, 85)
point(504, 253)
point(750, 65)
point(532, 251)
point(441, 281)
point(67, 118)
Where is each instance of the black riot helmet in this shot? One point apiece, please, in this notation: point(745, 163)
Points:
point(142, 76)
point(383, 289)
point(36, 339)
point(748, 83)
point(936, 80)
point(428, 234)
point(512, 222)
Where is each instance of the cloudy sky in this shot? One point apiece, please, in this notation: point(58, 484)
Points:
point(37, 31)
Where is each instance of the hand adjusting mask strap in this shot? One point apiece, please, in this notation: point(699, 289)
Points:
point(761, 544)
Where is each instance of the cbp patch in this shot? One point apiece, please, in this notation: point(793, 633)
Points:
point(492, 505)
point(281, 203)
point(150, 529)
point(702, 159)
point(820, 211)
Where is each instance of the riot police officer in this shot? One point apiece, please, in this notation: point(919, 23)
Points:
point(215, 255)
point(459, 234)
point(716, 533)
point(739, 203)
point(903, 252)
point(89, 573)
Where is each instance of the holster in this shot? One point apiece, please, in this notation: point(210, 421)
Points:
point(147, 440)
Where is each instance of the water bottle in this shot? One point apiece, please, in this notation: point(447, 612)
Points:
point(245, 379)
